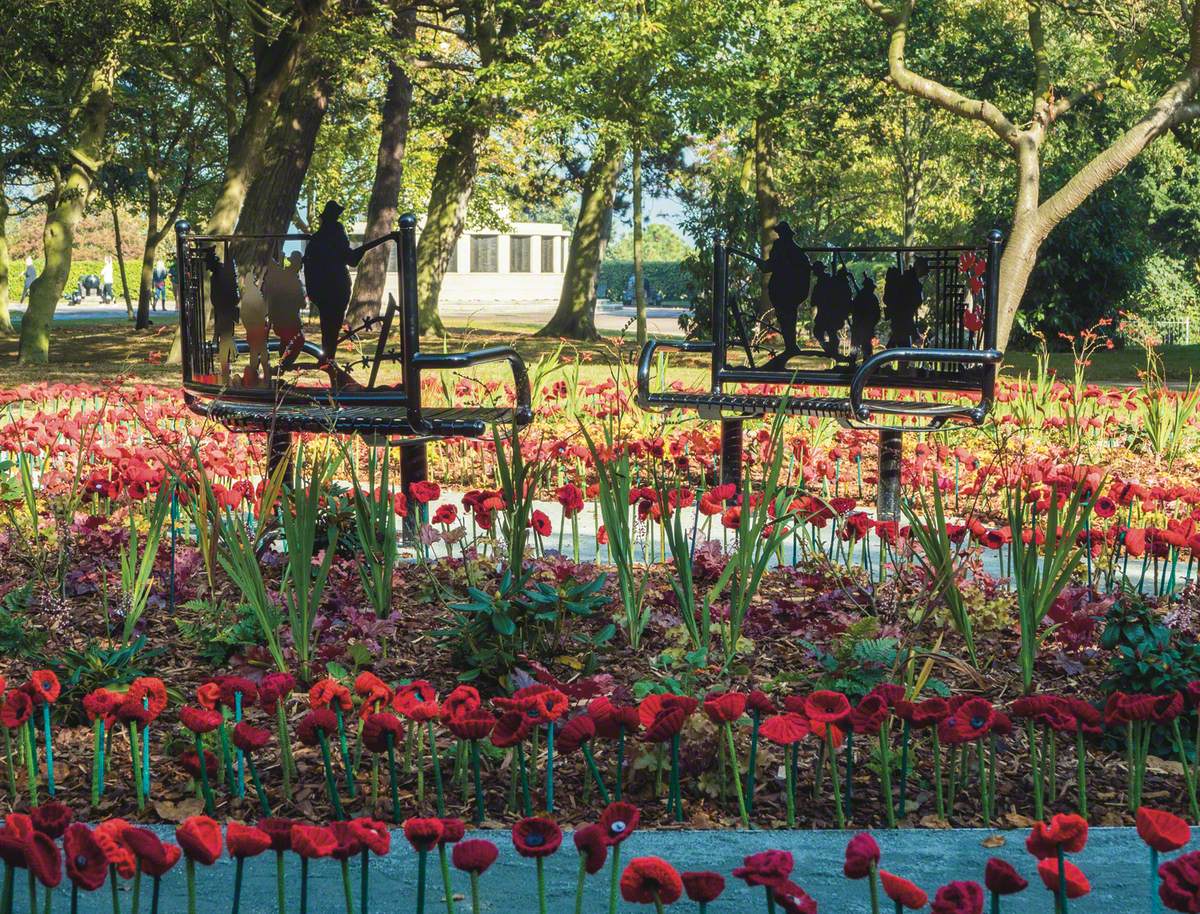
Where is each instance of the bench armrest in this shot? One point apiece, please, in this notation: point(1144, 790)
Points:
point(423, 361)
point(862, 377)
point(647, 357)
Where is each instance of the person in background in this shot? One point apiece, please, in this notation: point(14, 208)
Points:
point(30, 276)
point(106, 281)
point(160, 286)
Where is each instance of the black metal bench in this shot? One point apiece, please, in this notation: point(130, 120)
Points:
point(247, 363)
point(941, 316)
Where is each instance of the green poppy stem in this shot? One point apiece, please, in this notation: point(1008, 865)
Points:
point(392, 781)
point(849, 792)
point(475, 909)
point(105, 745)
point(347, 893)
point(135, 761)
point(444, 861)
point(263, 803)
point(790, 788)
point(30, 751)
point(304, 885)
point(421, 881)
point(226, 756)
point(49, 747)
point(985, 806)
point(97, 746)
point(1061, 893)
point(526, 801)
point(437, 771)
point(189, 868)
point(345, 749)
point(550, 767)
point(937, 774)
point(541, 885)
point(237, 884)
point(595, 772)
point(885, 766)
point(241, 768)
point(743, 812)
point(1154, 901)
point(210, 806)
point(477, 780)
point(286, 763)
point(676, 799)
point(873, 885)
point(364, 875)
point(12, 773)
point(1188, 780)
point(1080, 771)
point(904, 738)
point(614, 881)
point(833, 772)
point(330, 783)
point(620, 780)
point(280, 883)
point(752, 761)
point(995, 903)
point(6, 898)
point(580, 880)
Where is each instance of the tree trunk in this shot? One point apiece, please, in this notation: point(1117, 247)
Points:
point(58, 237)
point(453, 183)
point(766, 194)
point(639, 291)
point(575, 317)
point(385, 192)
point(116, 216)
point(5, 318)
point(153, 238)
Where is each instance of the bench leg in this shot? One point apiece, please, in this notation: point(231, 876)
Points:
point(731, 452)
point(887, 501)
point(414, 467)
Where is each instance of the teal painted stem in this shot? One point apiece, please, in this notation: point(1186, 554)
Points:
point(345, 749)
point(550, 767)
point(153, 895)
point(210, 806)
point(364, 872)
point(421, 855)
point(304, 885)
point(478, 782)
point(263, 803)
point(595, 772)
point(1154, 901)
point(241, 762)
point(226, 755)
point(189, 868)
point(49, 747)
point(330, 783)
point(1061, 894)
point(135, 762)
point(437, 771)
point(237, 884)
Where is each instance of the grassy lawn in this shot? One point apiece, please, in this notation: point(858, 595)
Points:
point(91, 350)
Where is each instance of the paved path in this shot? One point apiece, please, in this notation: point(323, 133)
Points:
point(1115, 861)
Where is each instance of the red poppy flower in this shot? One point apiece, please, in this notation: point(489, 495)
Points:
point(231, 686)
point(110, 835)
point(869, 715)
point(314, 723)
point(373, 834)
point(784, 729)
point(279, 831)
point(862, 852)
point(958, 898)
point(703, 886)
point(453, 831)
point(199, 720)
point(326, 692)
point(154, 856)
point(249, 738)
point(132, 711)
point(619, 820)
point(540, 523)
point(536, 836)
point(312, 842)
point(924, 714)
point(43, 859)
point(1001, 878)
point(423, 834)
point(827, 707)
point(725, 707)
point(17, 828)
point(791, 898)
point(474, 856)
point(16, 710)
point(417, 701)
point(423, 492)
point(765, 867)
point(191, 764)
point(87, 867)
point(902, 892)
point(373, 691)
point(152, 691)
point(973, 719)
point(1077, 883)
point(377, 728)
point(242, 841)
point(1179, 882)
point(650, 880)
point(613, 719)
point(52, 818)
point(463, 700)
point(667, 724)
point(445, 514)
point(274, 688)
point(511, 728)
point(100, 704)
point(346, 843)
point(760, 701)
point(208, 695)
point(476, 724)
point(200, 839)
point(541, 702)
point(43, 686)
point(592, 844)
point(1163, 831)
point(1066, 830)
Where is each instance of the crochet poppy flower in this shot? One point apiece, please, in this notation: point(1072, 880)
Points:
point(619, 820)
point(474, 855)
point(791, 898)
point(958, 898)
point(312, 842)
point(902, 892)
point(87, 867)
point(891, 692)
point(784, 729)
point(200, 720)
point(574, 733)
point(377, 728)
point(208, 695)
point(541, 702)
point(52, 818)
point(1077, 883)
point(1179, 882)
point(703, 886)
point(424, 492)
point(249, 738)
point(152, 691)
point(155, 857)
point(611, 719)
point(274, 688)
point(650, 880)
point(100, 704)
point(423, 834)
point(973, 719)
point(316, 722)
point(862, 852)
point(453, 831)
point(374, 835)
point(200, 839)
point(16, 709)
point(43, 859)
point(725, 707)
point(759, 701)
point(43, 686)
point(279, 831)
point(924, 714)
point(463, 700)
point(132, 711)
point(471, 724)
point(592, 844)
point(827, 707)
point(346, 843)
point(1163, 831)
point(667, 724)
point(536, 836)
point(373, 691)
point(653, 705)
point(110, 835)
point(765, 867)
point(511, 728)
point(870, 713)
point(231, 686)
point(190, 763)
point(417, 701)
point(242, 841)
point(1002, 879)
point(1066, 830)
point(327, 692)
point(17, 828)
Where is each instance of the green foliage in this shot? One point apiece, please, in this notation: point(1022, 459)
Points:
point(857, 660)
point(137, 567)
point(660, 243)
point(95, 667)
point(1146, 656)
point(666, 278)
point(220, 631)
point(20, 638)
point(81, 268)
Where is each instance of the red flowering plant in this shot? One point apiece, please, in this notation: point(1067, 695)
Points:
point(280, 833)
point(1002, 879)
point(1066, 833)
point(592, 845)
point(329, 694)
point(723, 709)
point(663, 716)
point(200, 721)
point(43, 689)
point(651, 880)
point(577, 733)
point(474, 857)
point(243, 842)
point(958, 898)
point(472, 725)
point(537, 837)
point(380, 734)
point(200, 839)
point(315, 729)
point(1163, 833)
point(86, 864)
point(311, 842)
point(830, 709)
point(703, 887)
point(768, 869)
point(862, 862)
point(615, 721)
point(417, 701)
point(1139, 715)
point(541, 705)
point(273, 692)
point(787, 730)
point(248, 740)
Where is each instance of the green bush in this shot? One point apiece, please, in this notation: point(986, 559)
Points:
point(667, 278)
point(80, 268)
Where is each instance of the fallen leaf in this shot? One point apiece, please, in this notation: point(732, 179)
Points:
point(933, 822)
point(170, 811)
point(1016, 820)
point(993, 841)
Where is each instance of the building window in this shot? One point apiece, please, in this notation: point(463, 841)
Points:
point(452, 266)
point(485, 254)
point(518, 247)
point(548, 255)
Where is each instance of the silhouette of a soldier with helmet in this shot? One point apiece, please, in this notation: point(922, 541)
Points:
point(788, 287)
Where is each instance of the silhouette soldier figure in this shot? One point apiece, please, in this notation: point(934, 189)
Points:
point(327, 258)
point(224, 297)
point(864, 316)
point(831, 299)
point(902, 298)
point(791, 276)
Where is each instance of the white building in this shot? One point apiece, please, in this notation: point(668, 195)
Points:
point(524, 264)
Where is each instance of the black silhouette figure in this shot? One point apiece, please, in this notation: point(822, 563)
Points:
point(864, 315)
point(327, 258)
point(791, 276)
point(223, 295)
point(831, 300)
point(902, 298)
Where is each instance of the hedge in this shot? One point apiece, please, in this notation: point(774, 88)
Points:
point(666, 278)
